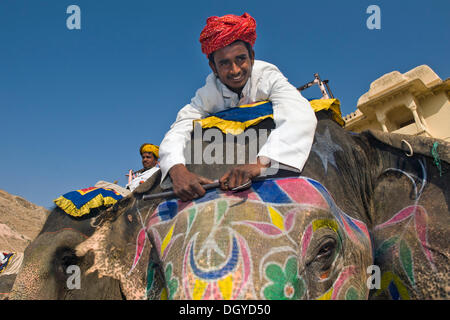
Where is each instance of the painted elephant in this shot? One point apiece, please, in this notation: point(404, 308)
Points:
point(359, 206)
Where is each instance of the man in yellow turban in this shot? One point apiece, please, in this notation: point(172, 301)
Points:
point(150, 154)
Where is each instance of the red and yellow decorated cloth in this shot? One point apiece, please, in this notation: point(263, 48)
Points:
point(222, 31)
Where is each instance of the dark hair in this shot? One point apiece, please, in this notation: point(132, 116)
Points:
point(247, 45)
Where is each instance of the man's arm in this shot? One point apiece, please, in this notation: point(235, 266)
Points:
point(295, 124)
point(171, 150)
point(186, 185)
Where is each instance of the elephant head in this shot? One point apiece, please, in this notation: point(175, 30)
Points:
point(359, 202)
point(52, 270)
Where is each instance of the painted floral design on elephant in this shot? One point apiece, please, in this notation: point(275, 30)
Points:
point(229, 252)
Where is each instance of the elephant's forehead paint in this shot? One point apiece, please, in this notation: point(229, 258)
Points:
point(346, 221)
point(167, 210)
point(278, 191)
point(301, 191)
point(270, 192)
point(209, 195)
point(325, 223)
point(208, 271)
point(306, 239)
point(216, 274)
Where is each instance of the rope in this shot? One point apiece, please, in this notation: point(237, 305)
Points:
point(435, 155)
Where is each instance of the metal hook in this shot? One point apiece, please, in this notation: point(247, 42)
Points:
point(411, 152)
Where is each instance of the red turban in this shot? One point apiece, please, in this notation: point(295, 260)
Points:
point(222, 31)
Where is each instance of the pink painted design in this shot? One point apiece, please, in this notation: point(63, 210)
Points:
point(306, 239)
point(364, 229)
point(420, 220)
point(246, 263)
point(362, 226)
point(265, 228)
point(349, 231)
point(246, 194)
point(154, 219)
point(207, 295)
point(289, 221)
point(185, 272)
point(140, 244)
point(184, 204)
point(399, 216)
point(216, 292)
point(343, 277)
point(301, 191)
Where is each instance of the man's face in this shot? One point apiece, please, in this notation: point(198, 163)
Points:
point(149, 160)
point(233, 65)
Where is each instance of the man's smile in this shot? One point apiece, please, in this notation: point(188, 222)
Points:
point(236, 78)
point(237, 81)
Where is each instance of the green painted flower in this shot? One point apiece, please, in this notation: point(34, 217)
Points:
point(285, 283)
point(351, 294)
point(172, 283)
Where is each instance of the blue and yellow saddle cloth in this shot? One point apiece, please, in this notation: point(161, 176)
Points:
point(80, 202)
point(236, 120)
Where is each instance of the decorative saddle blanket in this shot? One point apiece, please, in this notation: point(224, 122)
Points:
point(236, 120)
point(80, 202)
point(4, 260)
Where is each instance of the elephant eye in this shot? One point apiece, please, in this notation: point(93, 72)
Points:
point(326, 250)
point(65, 257)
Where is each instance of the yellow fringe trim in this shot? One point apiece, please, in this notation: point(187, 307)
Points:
point(236, 127)
point(227, 126)
point(95, 202)
point(329, 104)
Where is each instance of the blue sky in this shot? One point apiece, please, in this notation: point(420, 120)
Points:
point(75, 105)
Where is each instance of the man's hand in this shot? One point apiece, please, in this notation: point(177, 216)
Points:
point(242, 174)
point(187, 185)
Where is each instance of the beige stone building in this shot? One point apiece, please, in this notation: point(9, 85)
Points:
point(416, 102)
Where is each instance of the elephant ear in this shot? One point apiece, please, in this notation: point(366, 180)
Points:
point(410, 210)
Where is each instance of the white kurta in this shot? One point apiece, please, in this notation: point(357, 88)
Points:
point(295, 122)
point(141, 178)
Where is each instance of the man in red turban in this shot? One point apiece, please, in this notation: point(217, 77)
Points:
point(222, 31)
point(238, 79)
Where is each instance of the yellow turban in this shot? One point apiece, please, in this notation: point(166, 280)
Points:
point(148, 147)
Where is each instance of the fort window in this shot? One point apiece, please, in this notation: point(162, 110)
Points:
point(400, 117)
